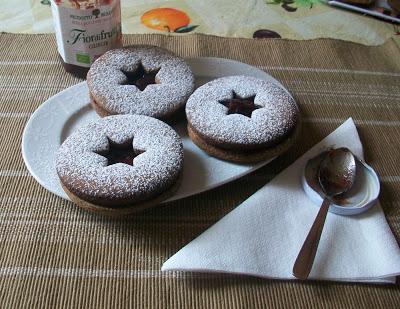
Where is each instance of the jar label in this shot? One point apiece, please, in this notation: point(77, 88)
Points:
point(86, 29)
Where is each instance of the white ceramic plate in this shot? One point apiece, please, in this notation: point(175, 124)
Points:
point(61, 114)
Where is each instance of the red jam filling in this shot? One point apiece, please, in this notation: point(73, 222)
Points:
point(140, 78)
point(120, 154)
point(239, 105)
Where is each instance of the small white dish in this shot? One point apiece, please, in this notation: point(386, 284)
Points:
point(61, 114)
point(362, 196)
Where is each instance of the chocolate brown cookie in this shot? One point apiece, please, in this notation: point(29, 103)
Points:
point(242, 119)
point(141, 79)
point(121, 164)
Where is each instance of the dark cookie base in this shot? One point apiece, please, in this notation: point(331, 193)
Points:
point(127, 209)
point(244, 156)
point(98, 109)
point(170, 118)
point(246, 147)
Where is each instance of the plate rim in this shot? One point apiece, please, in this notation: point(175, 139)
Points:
point(24, 137)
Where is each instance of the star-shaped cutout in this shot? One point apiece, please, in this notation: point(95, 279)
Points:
point(140, 77)
point(120, 153)
point(239, 105)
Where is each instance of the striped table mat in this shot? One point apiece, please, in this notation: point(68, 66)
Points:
point(53, 254)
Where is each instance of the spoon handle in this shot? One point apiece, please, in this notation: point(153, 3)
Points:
point(305, 259)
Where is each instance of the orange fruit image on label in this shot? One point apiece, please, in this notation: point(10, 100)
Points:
point(167, 19)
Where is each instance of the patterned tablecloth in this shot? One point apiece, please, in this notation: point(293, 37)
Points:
point(300, 19)
point(55, 255)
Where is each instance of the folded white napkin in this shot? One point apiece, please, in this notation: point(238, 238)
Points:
point(263, 235)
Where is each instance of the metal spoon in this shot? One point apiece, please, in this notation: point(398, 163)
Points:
point(336, 175)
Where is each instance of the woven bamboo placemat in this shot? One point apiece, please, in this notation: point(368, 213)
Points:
point(53, 254)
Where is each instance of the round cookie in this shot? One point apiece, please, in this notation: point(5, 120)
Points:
point(141, 79)
point(120, 164)
point(242, 119)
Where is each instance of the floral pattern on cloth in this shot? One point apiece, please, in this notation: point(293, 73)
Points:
point(290, 19)
point(292, 5)
point(167, 19)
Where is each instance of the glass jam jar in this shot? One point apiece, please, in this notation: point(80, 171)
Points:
point(85, 29)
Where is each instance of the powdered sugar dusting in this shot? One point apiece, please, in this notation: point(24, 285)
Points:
point(86, 174)
point(105, 79)
point(268, 125)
